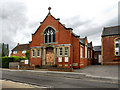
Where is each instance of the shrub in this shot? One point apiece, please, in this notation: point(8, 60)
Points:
point(5, 60)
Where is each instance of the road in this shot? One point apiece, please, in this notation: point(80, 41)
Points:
point(49, 81)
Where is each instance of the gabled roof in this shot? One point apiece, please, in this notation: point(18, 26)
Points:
point(83, 40)
point(75, 35)
point(97, 48)
point(90, 45)
point(55, 19)
point(111, 31)
point(21, 47)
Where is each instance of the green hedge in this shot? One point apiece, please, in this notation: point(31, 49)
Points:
point(5, 60)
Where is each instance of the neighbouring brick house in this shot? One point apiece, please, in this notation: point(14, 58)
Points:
point(20, 50)
point(86, 52)
point(97, 55)
point(111, 45)
point(54, 44)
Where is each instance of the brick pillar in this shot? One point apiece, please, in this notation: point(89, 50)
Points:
point(44, 54)
point(54, 51)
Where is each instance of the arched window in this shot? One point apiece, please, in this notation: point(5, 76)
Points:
point(49, 35)
point(117, 47)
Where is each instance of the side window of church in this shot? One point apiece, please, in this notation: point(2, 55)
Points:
point(38, 52)
point(66, 51)
point(117, 47)
point(33, 53)
point(49, 35)
point(60, 51)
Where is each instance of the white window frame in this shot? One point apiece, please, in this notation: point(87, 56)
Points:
point(38, 55)
point(24, 51)
point(33, 52)
point(14, 52)
point(117, 49)
point(88, 53)
point(85, 51)
point(60, 51)
point(67, 51)
point(81, 52)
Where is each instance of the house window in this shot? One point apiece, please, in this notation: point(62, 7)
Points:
point(81, 52)
point(85, 51)
point(117, 47)
point(24, 51)
point(33, 53)
point(14, 52)
point(60, 49)
point(88, 53)
point(66, 51)
point(38, 52)
point(49, 35)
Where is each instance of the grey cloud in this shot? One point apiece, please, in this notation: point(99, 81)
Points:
point(13, 18)
point(76, 21)
point(90, 30)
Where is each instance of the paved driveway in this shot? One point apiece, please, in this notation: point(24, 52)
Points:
point(100, 70)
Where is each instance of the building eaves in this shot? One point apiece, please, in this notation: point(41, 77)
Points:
point(111, 31)
point(21, 47)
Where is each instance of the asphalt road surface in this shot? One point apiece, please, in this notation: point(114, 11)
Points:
point(48, 81)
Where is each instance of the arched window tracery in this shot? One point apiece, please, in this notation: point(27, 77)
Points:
point(49, 35)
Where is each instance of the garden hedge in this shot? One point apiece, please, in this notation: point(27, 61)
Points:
point(4, 61)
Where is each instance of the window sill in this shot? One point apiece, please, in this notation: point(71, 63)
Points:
point(51, 43)
point(117, 55)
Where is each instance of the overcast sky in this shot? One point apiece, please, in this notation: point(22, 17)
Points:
point(20, 18)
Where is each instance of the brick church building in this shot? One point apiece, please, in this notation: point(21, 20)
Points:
point(111, 45)
point(54, 44)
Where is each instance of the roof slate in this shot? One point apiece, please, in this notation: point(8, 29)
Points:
point(21, 47)
point(83, 40)
point(97, 48)
point(110, 31)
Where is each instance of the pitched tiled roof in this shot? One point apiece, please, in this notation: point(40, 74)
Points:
point(90, 45)
point(110, 31)
point(83, 40)
point(75, 35)
point(21, 47)
point(97, 48)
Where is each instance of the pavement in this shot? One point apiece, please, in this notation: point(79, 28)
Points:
point(11, 84)
point(98, 72)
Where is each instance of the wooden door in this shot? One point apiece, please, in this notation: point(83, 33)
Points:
point(49, 56)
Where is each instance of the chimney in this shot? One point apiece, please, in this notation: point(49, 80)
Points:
point(18, 44)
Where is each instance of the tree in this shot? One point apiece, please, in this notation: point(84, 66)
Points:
point(27, 54)
point(3, 50)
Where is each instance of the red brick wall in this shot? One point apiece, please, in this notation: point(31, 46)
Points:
point(108, 51)
point(62, 36)
point(19, 53)
point(85, 61)
point(76, 51)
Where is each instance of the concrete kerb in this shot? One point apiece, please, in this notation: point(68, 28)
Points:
point(72, 75)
